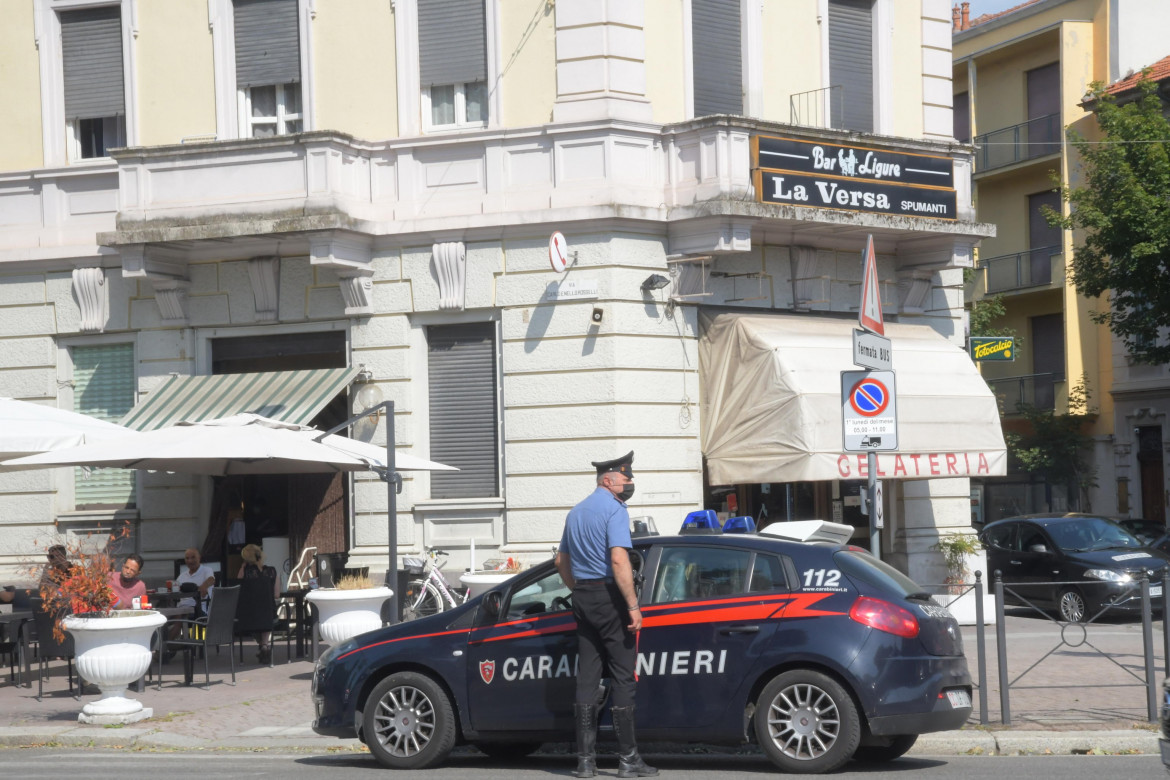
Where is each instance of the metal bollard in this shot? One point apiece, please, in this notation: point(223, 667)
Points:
point(1148, 649)
point(1005, 707)
point(1166, 620)
point(981, 648)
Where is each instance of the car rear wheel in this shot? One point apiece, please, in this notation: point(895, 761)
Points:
point(508, 751)
point(806, 722)
point(876, 754)
point(408, 722)
point(1072, 605)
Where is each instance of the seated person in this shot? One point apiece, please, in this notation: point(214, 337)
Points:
point(196, 580)
point(126, 584)
point(252, 567)
point(58, 569)
point(7, 594)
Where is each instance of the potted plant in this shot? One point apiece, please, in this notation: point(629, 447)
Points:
point(493, 573)
point(111, 647)
point(352, 607)
point(955, 550)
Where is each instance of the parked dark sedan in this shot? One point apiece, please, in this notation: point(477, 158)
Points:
point(1076, 564)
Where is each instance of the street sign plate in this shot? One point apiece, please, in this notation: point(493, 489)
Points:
point(872, 351)
point(868, 411)
point(993, 348)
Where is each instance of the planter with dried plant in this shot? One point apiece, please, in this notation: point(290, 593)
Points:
point(353, 607)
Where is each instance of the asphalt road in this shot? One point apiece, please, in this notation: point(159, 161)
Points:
point(118, 765)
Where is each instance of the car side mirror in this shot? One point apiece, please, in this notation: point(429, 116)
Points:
point(1038, 548)
point(492, 602)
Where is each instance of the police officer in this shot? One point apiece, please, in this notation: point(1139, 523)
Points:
point(594, 561)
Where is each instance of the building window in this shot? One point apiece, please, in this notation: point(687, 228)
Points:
point(1047, 332)
point(962, 117)
point(268, 67)
point(461, 371)
point(103, 387)
point(851, 64)
point(717, 57)
point(95, 100)
point(452, 42)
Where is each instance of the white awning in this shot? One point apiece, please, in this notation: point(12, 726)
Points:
point(771, 400)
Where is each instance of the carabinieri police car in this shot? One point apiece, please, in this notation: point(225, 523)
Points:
point(816, 650)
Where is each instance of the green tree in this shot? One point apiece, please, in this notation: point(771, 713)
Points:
point(1056, 450)
point(986, 311)
point(1124, 209)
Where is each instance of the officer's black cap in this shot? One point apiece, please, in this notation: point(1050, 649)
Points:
point(622, 465)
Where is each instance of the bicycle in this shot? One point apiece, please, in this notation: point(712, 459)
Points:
point(432, 593)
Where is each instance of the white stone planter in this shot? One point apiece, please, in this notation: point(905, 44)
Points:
point(343, 614)
point(478, 582)
point(112, 652)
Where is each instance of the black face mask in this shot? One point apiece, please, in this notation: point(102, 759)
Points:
point(627, 493)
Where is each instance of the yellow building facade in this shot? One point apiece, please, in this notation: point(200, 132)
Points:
point(1020, 78)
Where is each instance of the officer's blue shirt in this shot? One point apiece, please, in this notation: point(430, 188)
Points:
point(591, 529)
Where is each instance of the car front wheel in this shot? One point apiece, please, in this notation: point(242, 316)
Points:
point(1072, 605)
point(806, 722)
point(408, 722)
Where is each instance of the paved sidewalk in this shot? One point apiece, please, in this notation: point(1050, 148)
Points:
point(1078, 697)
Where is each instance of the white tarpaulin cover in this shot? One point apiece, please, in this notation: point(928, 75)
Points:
point(772, 408)
point(27, 428)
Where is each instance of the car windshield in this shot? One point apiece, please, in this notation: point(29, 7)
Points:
point(1090, 533)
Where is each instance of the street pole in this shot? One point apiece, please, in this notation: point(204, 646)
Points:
point(393, 485)
point(875, 536)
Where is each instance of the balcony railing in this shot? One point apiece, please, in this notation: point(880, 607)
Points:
point(1034, 268)
point(1026, 141)
point(823, 107)
point(1039, 390)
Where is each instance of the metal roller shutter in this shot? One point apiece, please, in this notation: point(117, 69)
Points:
point(717, 57)
point(451, 42)
point(461, 366)
point(851, 63)
point(103, 387)
point(268, 47)
point(91, 51)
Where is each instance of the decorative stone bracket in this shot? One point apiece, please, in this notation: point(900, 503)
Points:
point(350, 255)
point(264, 272)
point(914, 290)
point(451, 268)
point(167, 273)
point(93, 298)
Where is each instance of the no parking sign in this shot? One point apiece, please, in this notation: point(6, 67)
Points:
point(868, 411)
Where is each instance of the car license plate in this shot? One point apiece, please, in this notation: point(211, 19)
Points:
point(959, 698)
point(1155, 590)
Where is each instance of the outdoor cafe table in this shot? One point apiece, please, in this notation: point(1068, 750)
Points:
point(173, 613)
point(297, 595)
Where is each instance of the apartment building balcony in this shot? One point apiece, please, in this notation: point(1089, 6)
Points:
point(1032, 140)
point(55, 213)
point(1039, 268)
point(1042, 391)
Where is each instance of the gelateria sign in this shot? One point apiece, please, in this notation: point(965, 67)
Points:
point(813, 174)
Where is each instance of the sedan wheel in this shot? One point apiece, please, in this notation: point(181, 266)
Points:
point(408, 722)
point(1072, 606)
point(806, 722)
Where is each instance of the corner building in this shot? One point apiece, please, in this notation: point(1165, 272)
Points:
point(296, 206)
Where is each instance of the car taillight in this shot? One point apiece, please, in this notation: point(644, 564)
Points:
point(884, 616)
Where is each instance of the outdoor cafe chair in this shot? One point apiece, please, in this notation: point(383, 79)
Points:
point(50, 648)
point(213, 630)
point(257, 613)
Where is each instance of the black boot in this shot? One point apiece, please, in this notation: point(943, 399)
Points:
point(630, 764)
point(585, 717)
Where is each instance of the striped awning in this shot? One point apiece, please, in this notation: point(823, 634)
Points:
point(289, 396)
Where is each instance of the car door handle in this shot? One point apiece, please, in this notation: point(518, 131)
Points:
point(740, 630)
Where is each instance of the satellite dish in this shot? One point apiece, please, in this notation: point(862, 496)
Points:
point(558, 251)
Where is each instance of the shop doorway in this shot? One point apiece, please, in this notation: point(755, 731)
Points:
point(1152, 471)
point(285, 514)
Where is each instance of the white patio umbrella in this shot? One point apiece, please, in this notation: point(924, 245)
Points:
point(27, 428)
point(241, 444)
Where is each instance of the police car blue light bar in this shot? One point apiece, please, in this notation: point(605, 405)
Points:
point(743, 524)
point(701, 521)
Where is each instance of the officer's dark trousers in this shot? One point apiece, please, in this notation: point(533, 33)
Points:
point(603, 642)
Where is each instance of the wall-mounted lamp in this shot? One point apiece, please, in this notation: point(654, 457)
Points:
point(654, 282)
point(368, 396)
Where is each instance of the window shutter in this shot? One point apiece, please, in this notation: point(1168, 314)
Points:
point(717, 57)
point(103, 387)
point(91, 53)
point(461, 367)
point(268, 49)
point(451, 42)
point(851, 63)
